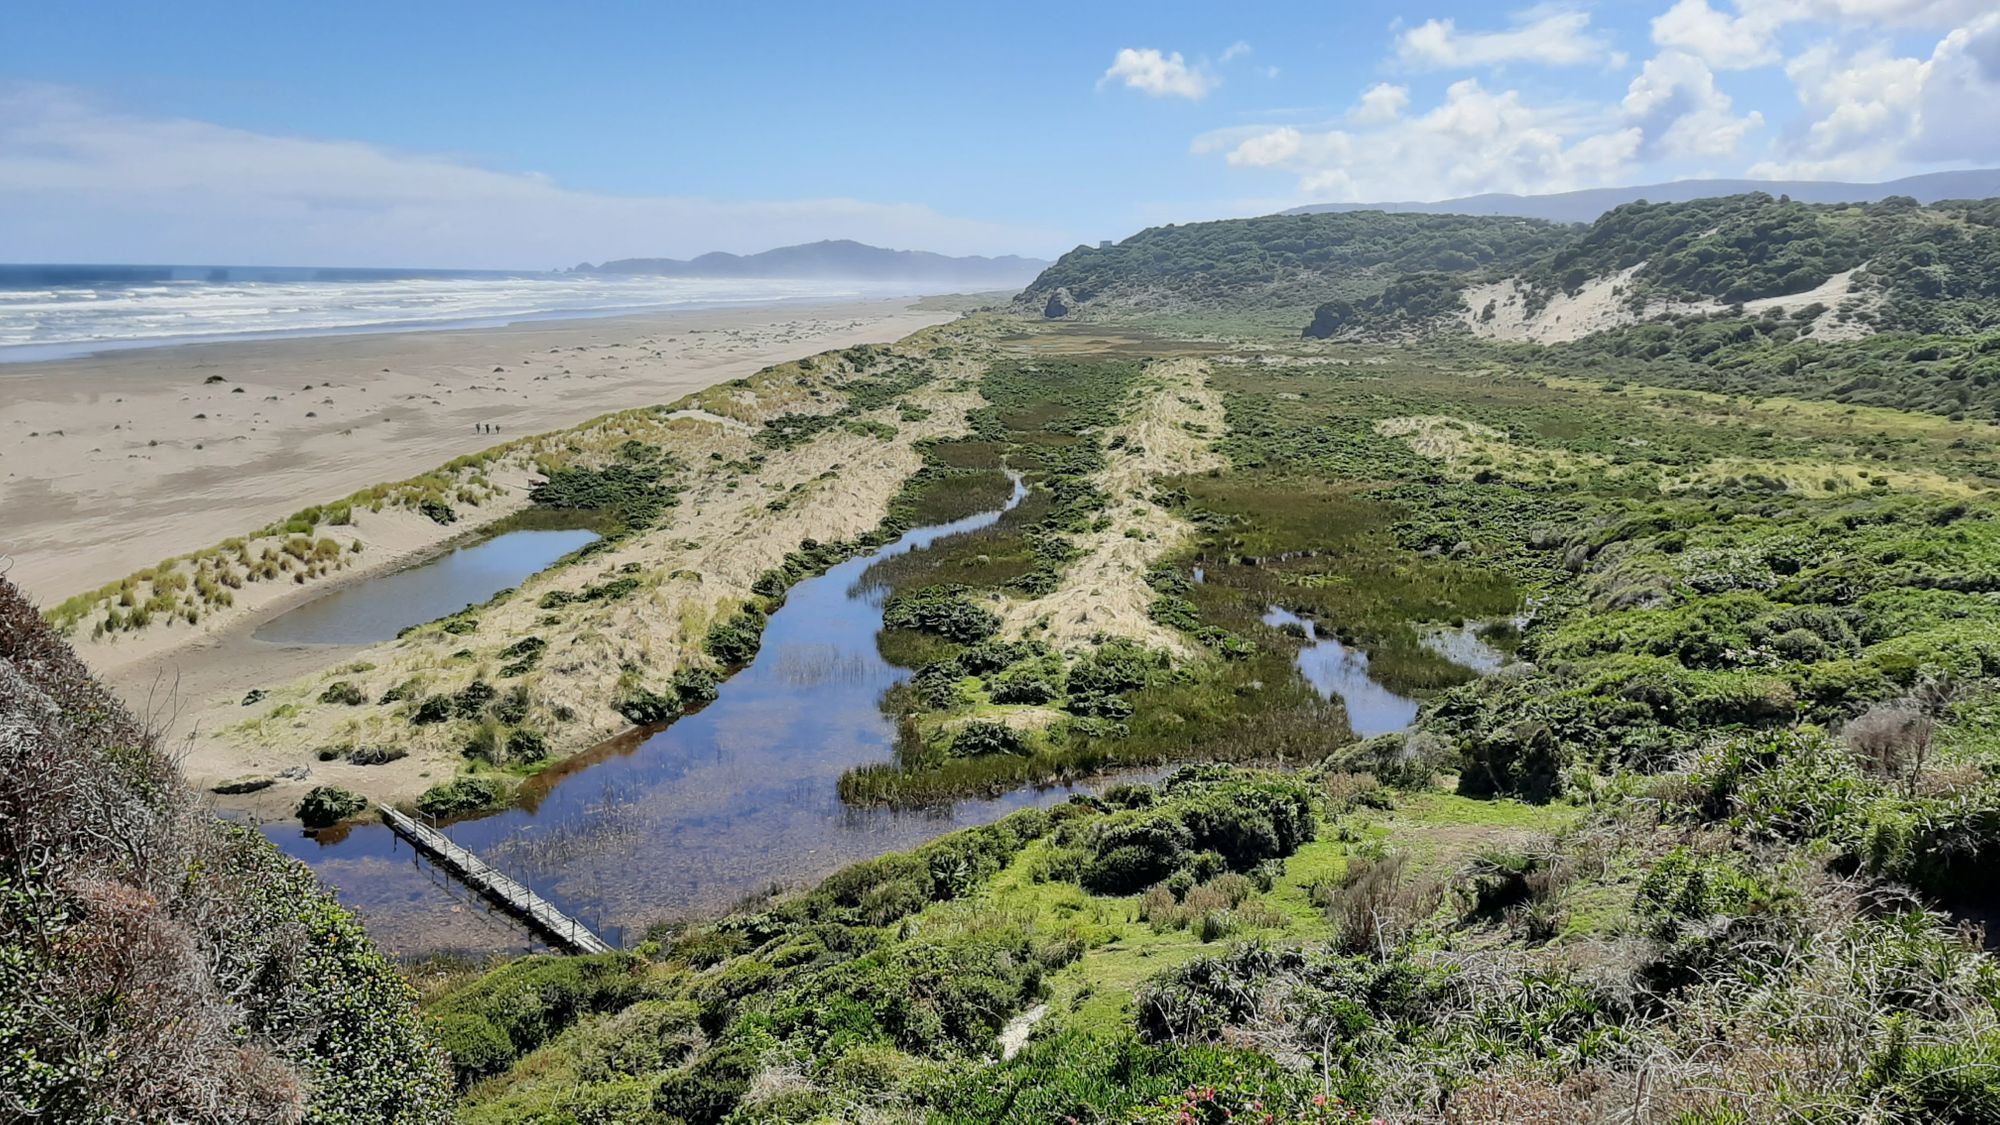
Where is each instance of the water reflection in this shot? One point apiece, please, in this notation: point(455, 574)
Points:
point(1333, 669)
point(377, 609)
point(720, 805)
point(1462, 645)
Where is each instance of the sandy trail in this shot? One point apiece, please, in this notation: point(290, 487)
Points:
point(111, 463)
point(1104, 590)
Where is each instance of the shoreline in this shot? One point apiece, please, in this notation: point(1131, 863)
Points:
point(111, 463)
point(20, 355)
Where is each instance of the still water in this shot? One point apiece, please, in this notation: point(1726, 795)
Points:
point(376, 610)
point(720, 805)
point(1334, 670)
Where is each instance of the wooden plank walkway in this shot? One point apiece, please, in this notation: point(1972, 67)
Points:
point(498, 888)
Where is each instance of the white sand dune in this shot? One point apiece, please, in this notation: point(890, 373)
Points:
point(1602, 304)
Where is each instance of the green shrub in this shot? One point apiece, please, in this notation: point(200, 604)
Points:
point(343, 692)
point(734, 641)
point(477, 1048)
point(527, 746)
point(645, 707)
point(462, 796)
point(327, 805)
point(981, 737)
point(941, 611)
point(530, 1000)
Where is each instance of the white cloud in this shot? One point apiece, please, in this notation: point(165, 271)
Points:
point(1870, 112)
point(1545, 35)
point(1721, 40)
point(1268, 150)
point(1746, 34)
point(1881, 13)
point(1160, 75)
point(1236, 50)
point(1865, 111)
point(1675, 103)
point(1381, 104)
point(1475, 140)
point(78, 183)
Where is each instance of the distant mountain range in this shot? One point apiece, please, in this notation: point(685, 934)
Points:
point(1588, 206)
point(841, 259)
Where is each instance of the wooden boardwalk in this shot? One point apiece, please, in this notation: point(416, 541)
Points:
point(500, 889)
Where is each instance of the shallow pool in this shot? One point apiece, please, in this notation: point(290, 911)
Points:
point(377, 609)
point(1335, 670)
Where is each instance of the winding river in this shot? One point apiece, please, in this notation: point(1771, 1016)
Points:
point(720, 805)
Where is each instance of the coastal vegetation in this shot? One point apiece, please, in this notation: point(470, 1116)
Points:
point(1279, 264)
point(1708, 842)
point(708, 510)
point(312, 544)
point(1686, 810)
point(156, 963)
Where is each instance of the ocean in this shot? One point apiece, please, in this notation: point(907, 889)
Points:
point(54, 311)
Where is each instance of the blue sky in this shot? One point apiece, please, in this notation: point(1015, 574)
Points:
point(502, 134)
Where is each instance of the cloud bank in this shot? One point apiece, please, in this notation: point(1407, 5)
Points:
point(1863, 110)
point(80, 183)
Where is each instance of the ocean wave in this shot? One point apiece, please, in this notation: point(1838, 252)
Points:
point(180, 309)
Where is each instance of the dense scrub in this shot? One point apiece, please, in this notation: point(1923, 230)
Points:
point(1955, 376)
point(157, 964)
point(1696, 853)
point(1288, 260)
point(1713, 943)
point(886, 982)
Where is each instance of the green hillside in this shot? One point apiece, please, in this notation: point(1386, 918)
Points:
point(1933, 269)
point(1938, 267)
point(158, 964)
point(1285, 262)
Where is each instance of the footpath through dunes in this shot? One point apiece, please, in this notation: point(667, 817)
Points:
point(700, 500)
point(1164, 430)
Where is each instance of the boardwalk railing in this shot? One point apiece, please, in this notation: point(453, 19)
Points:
point(498, 887)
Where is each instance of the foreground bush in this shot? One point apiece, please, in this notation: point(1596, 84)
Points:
point(160, 965)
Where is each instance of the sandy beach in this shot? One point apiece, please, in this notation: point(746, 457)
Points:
point(112, 463)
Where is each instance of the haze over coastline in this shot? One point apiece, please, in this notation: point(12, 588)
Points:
point(56, 310)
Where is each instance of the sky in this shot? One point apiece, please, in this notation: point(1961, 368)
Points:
point(531, 135)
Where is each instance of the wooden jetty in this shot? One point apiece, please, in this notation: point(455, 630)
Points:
point(503, 891)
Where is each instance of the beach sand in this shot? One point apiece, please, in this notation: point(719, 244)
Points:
point(111, 463)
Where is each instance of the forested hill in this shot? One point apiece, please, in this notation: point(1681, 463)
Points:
point(1590, 204)
point(1937, 266)
point(840, 258)
point(1889, 265)
point(1283, 260)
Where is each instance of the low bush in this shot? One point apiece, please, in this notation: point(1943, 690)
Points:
point(326, 805)
point(462, 796)
point(345, 693)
